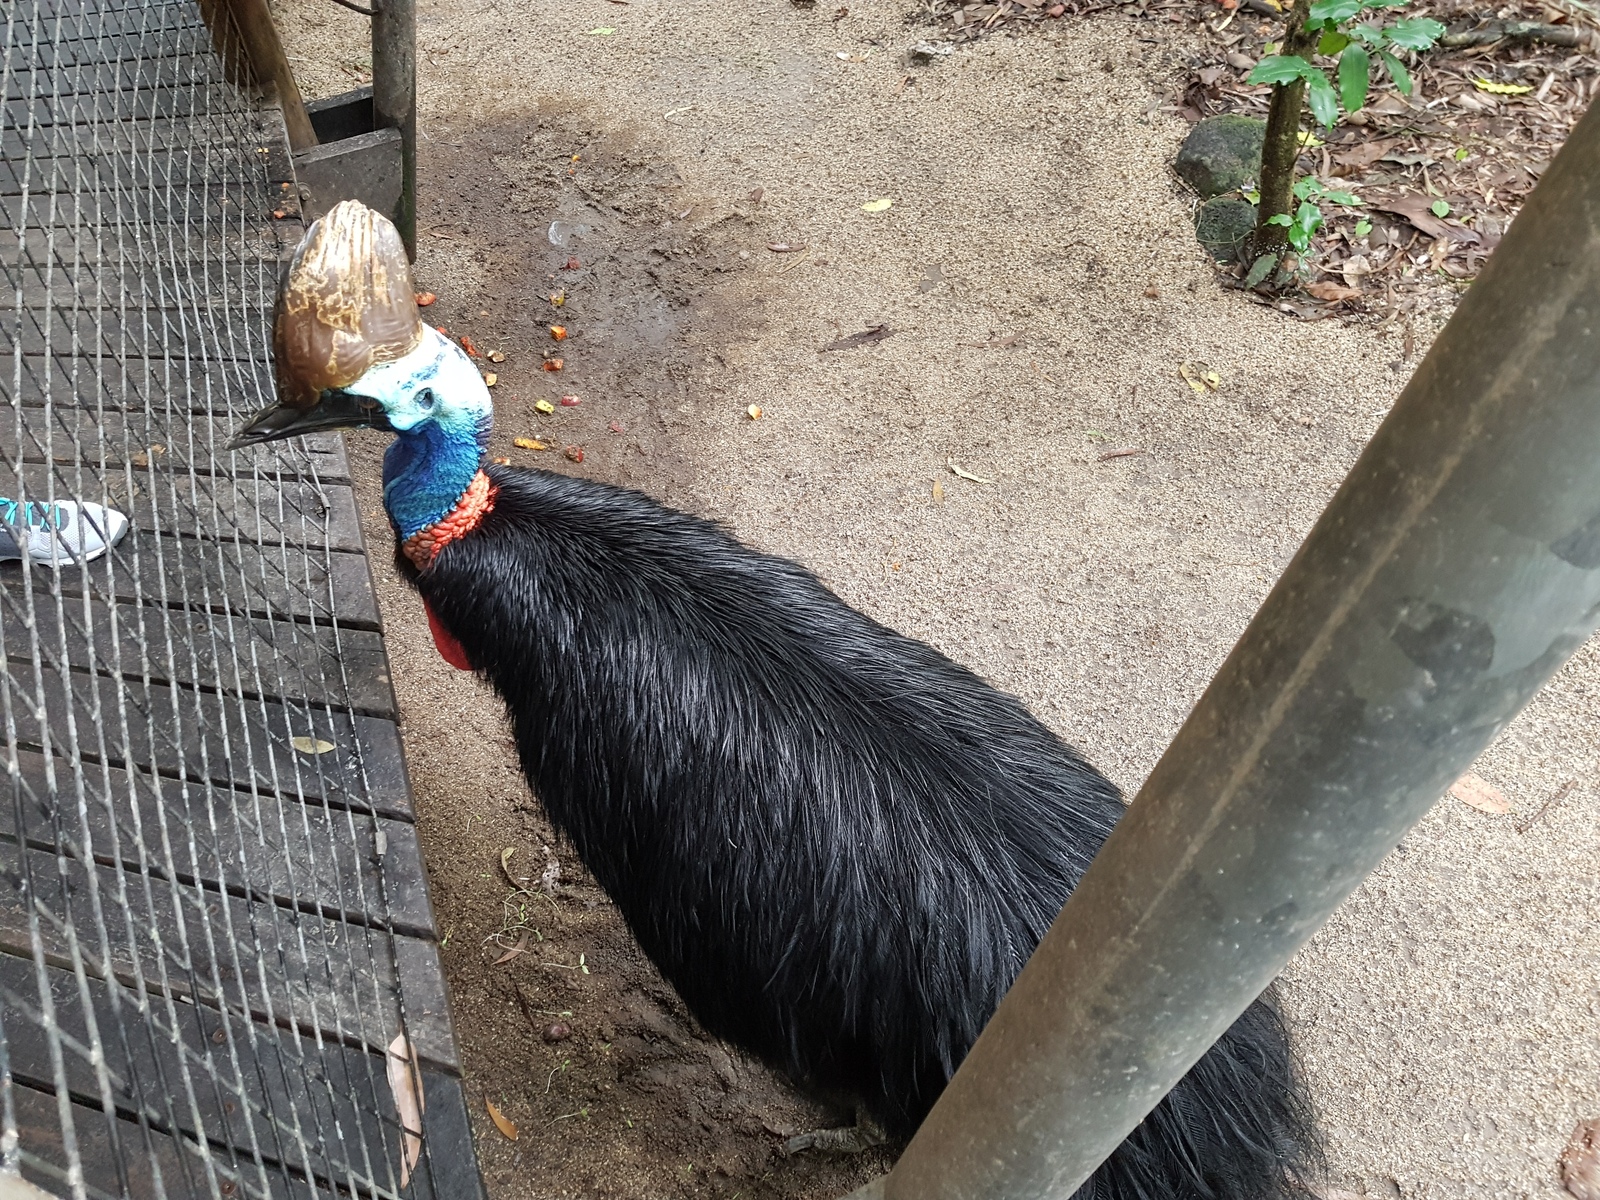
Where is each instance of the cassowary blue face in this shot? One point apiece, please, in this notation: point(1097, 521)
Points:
point(351, 350)
point(435, 384)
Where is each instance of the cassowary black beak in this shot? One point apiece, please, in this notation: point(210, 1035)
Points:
point(333, 410)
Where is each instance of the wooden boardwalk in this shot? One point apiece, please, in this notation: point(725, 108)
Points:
point(214, 920)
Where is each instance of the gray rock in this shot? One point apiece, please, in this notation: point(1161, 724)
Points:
point(924, 53)
point(1224, 225)
point(1222, 154)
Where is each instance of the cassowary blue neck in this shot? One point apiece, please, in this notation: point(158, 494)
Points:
point(425, 473)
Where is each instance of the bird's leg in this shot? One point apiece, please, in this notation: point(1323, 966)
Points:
point(852, 1139)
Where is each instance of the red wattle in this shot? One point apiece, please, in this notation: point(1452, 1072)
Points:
point(449, 649)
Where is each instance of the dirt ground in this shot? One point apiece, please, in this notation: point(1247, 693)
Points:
point(1038, 273)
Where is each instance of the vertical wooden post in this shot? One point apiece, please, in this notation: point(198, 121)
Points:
point(247, 41)
point(394, 99)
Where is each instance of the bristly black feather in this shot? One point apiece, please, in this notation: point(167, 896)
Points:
point(838, 845)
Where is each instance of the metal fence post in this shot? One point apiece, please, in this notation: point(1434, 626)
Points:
point(394, 99)
point(1455, 570)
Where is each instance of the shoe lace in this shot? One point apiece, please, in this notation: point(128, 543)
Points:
point(34, 515)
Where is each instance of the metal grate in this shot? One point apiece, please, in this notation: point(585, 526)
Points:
point(213, 919)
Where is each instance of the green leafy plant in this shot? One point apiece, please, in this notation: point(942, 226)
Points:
point(1289, 214)
point(1355, 48)
point(1307, 219)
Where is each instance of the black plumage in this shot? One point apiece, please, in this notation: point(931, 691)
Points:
point(837, 845)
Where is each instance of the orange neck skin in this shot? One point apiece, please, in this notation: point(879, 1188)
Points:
point(423, 546)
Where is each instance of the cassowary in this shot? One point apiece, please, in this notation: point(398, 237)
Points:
point(839, 846)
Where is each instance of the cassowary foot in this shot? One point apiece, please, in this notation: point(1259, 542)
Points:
point(852, 1139)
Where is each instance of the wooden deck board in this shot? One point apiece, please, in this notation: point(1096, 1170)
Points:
point(210, 808)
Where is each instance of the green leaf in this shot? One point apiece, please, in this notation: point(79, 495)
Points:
point(1281, 219)
point(1324, 100)
point(1279, 68)
point(1415, 33)
point(1299, 238)
point(1363, 227)
point(1370, 34)
point(1253, 196)
point(1308, 217)
point(1335, 10)
point(1366, 4)
point(1397, 72)
point(1348, 199)
point(1332, 42)
point(1461, 153)
point(1260, 269)
point(1440, 209)
point(1354, 64)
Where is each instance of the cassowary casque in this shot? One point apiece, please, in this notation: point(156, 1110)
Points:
point(839, 846)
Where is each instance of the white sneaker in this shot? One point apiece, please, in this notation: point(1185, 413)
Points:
point(58, 534)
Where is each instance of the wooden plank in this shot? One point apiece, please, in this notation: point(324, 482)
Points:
point(129, 173)
point(264, 511)
point(87, 349)
point(217, 739)
point(347, 668)
point(250, 199)
point(343, 864)
point(312, 974)
point(165, 442)
point(222, 290)
point(325, 1110)
point(152, 1164)
point(53, 74)
point(286, 582)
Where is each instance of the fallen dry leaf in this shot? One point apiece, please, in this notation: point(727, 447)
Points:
point(1364, 154)
point(1580, 1161)
point(308, 745)
point(1199, 377)
point(875, 333)
point(574, 453)
point(756, 194)
point(425, 298)
point(520, 948)
point(938, 492)
point(405, 1085)
point(784, 248)
point(1332, 292)
point(753, 412)
point(1480, 794)
point(1502, 89)
point(964, 474)
point(528, 444)
point(501, 1121)
point(1416, 209)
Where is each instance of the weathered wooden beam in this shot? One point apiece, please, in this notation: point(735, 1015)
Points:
point(251, 52)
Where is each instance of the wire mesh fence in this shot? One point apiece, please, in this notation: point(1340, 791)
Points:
point(217, 968)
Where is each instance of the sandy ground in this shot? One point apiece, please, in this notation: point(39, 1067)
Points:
point(1039, 275)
